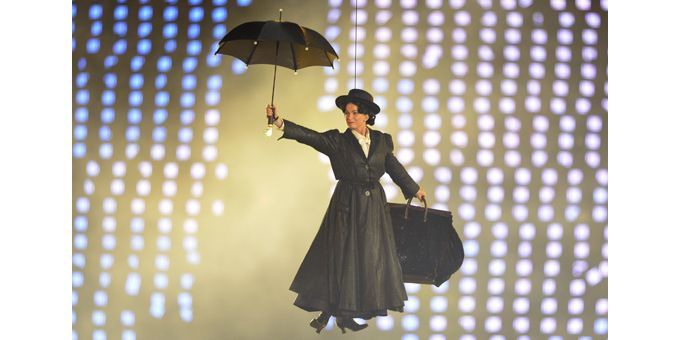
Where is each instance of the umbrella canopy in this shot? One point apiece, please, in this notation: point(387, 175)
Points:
point(279, 43)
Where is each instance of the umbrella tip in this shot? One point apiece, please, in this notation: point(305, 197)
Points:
point(295, 73)
point(280, 9)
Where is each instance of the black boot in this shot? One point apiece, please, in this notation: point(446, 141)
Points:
point(320, 322)
point(349, 323)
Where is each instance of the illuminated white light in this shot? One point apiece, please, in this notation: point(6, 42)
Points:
point(358, 53)
point(507, 105)
point(407, 68)
point(551, 268)
point(493, 212)
point(587, 88)
point(157, 152)
point(438, 323)
point(138, 206)
point(513, 36)
point(472, 229)
point(165, 206)
point(521, 194)
point(539, 158)
point(462, 18)
point(485, 53)
point(545, 213)
point(405, 156)
point(143, 187)
point(485, 69)
point(485, 157)
point(549, 287)
point(554, 249)
point(602, 177)
point(411, 305)
point(563, 54)
point(495, 194)
point(193, 207)
point(514, 19)
point(562, 71)
point(589, 36)
point(493, 324)
point(431, 139)
point(536, 70)
point(527, 231)
point(546, 194)
point(487, 35)
point(496, 286)
point(593, 19)
point(430, 104)
point(482, 105)
point(565, 159)
point(466, 304)
point(468, 193)
point(538, 53)
point(494, 305)
point(538, 140)
point(489, 19)
point(416, 173)
point(117, 187)
point(511, 70)
point(575, 306)
point(434, 35)
point(221, 171)
point(457, 158)
point(467, 322)
point(108, 243)
point(560, 88)
point(436, 18)
point(432, 156)
point(212, 117)
point(433, 121)
point(127, 318)
point(458, 35)
point(520, 212)
point(497, 267)
point(558, 105)
point(466, 285)
point(132, 284)
point(384, 323)
point(209, 152)
point(160, 281)
point(593, 159)
point(409, 51)
point(210, 135)
point(469, 266)
point(217, 207)
point(459, 69)
point(602, 307)
point(574, 195)
point(574, 326)
point(163, 243)
point(558, 4)
point(442, 193)
point(521, 324)
point(565, 37)
point(409, 35)
point(524, 249)
point(183, 152)
point(169, 188)
point(524, 267)
point(548, 325)
point(409, 323)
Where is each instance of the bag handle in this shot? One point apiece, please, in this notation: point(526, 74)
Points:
point(408, 204)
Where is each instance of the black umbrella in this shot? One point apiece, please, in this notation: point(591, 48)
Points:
point(279, 43)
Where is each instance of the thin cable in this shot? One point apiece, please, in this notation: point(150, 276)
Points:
point(356, 23)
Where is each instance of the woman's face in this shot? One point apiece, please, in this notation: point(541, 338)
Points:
point(353, 118)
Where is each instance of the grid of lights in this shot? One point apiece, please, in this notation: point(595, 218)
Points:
point(524, 147)
point(117, 180)
point(501, 115)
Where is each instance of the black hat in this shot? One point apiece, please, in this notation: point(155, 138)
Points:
point(357, 96)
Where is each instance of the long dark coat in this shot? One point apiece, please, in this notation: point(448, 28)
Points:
point(352, 268)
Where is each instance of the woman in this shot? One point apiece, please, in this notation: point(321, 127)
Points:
point(351, 269)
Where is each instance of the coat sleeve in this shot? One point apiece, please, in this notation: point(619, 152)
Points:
point(325, 142)
point(397, 172)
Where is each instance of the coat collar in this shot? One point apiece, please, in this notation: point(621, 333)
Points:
point(375, 137)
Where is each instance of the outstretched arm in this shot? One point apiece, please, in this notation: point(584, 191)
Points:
point(399, 175)
point(324, 142)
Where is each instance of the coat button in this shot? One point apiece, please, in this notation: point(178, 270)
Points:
point(366, 166)
point(367, 193)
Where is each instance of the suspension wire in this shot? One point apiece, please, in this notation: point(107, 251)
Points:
point(356, 23)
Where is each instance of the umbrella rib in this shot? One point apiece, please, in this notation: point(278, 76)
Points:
point(250, 56)
point(292, 50)
point(329, 59)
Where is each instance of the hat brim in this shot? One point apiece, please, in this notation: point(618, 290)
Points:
point(342, 101)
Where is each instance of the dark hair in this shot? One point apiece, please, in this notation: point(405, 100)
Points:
point(363, 109)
